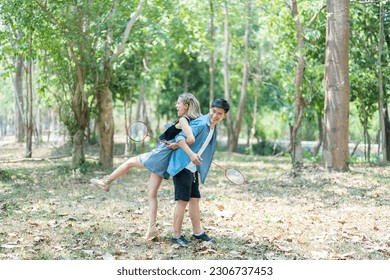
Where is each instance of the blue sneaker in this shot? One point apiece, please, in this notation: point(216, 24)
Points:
point(181, 241)
point(203, 237)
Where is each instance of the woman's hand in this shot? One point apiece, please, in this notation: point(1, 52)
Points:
point(173, 146)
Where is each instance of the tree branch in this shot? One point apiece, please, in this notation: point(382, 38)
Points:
point(63, 30)
point(130, 24)
point(365, 2)
point(289, 4)
point(315, 16)
point(44, 8)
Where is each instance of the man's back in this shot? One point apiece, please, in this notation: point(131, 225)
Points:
point(179, 159)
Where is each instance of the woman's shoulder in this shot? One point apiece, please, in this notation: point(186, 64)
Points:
point(185, 119)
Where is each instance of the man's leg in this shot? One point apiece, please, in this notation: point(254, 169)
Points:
point(182, 182)
point(178, 217)
point(194, 211)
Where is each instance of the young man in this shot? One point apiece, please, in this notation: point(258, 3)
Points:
point(185, 165)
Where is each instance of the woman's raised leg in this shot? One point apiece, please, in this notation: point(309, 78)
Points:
point(104, 183)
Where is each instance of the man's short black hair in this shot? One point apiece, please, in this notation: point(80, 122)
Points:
point(221, 103)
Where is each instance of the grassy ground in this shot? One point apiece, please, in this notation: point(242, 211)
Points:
point(48, 211)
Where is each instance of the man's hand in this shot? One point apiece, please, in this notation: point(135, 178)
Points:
point(195, 159)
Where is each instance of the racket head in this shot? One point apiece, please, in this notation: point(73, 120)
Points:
point(138, 131)
point(235, 176)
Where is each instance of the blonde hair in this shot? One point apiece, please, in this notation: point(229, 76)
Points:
point(193, 105)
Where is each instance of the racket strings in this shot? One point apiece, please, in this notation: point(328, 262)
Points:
point(138, 131)
point(235, 176)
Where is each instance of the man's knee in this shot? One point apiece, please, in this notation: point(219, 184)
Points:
point(195, 200)
point(182, 202)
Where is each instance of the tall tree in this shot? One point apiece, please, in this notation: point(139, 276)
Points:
point(92, 64)
point(364, 68)
point(18, 32)
point(245, 77)
point(299, 101)
point(234, 128)
point(19, 99)
point(226, 72)
point(382, 104)
point(106, 116)
point(299, 104)
point(212, 52)
point(73, 30)
point(336, 108)
point(29, 102)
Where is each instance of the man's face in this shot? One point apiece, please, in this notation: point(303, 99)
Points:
point(216, 115)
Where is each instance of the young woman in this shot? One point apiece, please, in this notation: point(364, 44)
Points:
point(156, 161)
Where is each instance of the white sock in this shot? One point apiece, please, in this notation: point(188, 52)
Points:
point(199, 234)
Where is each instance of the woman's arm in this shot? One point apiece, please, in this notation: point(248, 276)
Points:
point(185, 127)
point(187, 131)
point(195, 158)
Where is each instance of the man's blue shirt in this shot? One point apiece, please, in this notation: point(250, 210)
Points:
point(179, 159)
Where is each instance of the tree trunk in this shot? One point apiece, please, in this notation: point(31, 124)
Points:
point(212, 53)
point(158, 90)
point(78, 156)
point(106, 127)
point(38, 119)
point(366, 138)
point(387, 128)
point(29, 112)
point(29, 103)
point(130, 116)
point(245, 77)
point(19, 101)
point(126, 151)
point(299, 102)
point(2, 125)
point(366, 135)
point(320, 135)
point(106, 115)
point(77, 52)
point(257, 77)
point(336, 109)
point(81, 112)
point(226, 75)
point(381, 98)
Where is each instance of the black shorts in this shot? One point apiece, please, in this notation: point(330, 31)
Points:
point(186, 185)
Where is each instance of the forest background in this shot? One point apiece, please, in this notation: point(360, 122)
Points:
point(307, 80)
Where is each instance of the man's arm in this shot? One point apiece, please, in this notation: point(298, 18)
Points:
point(195, 159)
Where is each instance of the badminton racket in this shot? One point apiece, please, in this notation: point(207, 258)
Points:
point(138, 131)
point(233, 175)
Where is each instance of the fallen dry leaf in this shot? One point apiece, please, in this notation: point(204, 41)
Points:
point(220, 207)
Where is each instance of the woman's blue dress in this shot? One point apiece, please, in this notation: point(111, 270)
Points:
point(157, 160)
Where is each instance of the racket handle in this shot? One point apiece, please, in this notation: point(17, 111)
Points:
point(219, 166)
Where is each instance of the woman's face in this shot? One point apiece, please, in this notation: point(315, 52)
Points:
point(181, 108)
